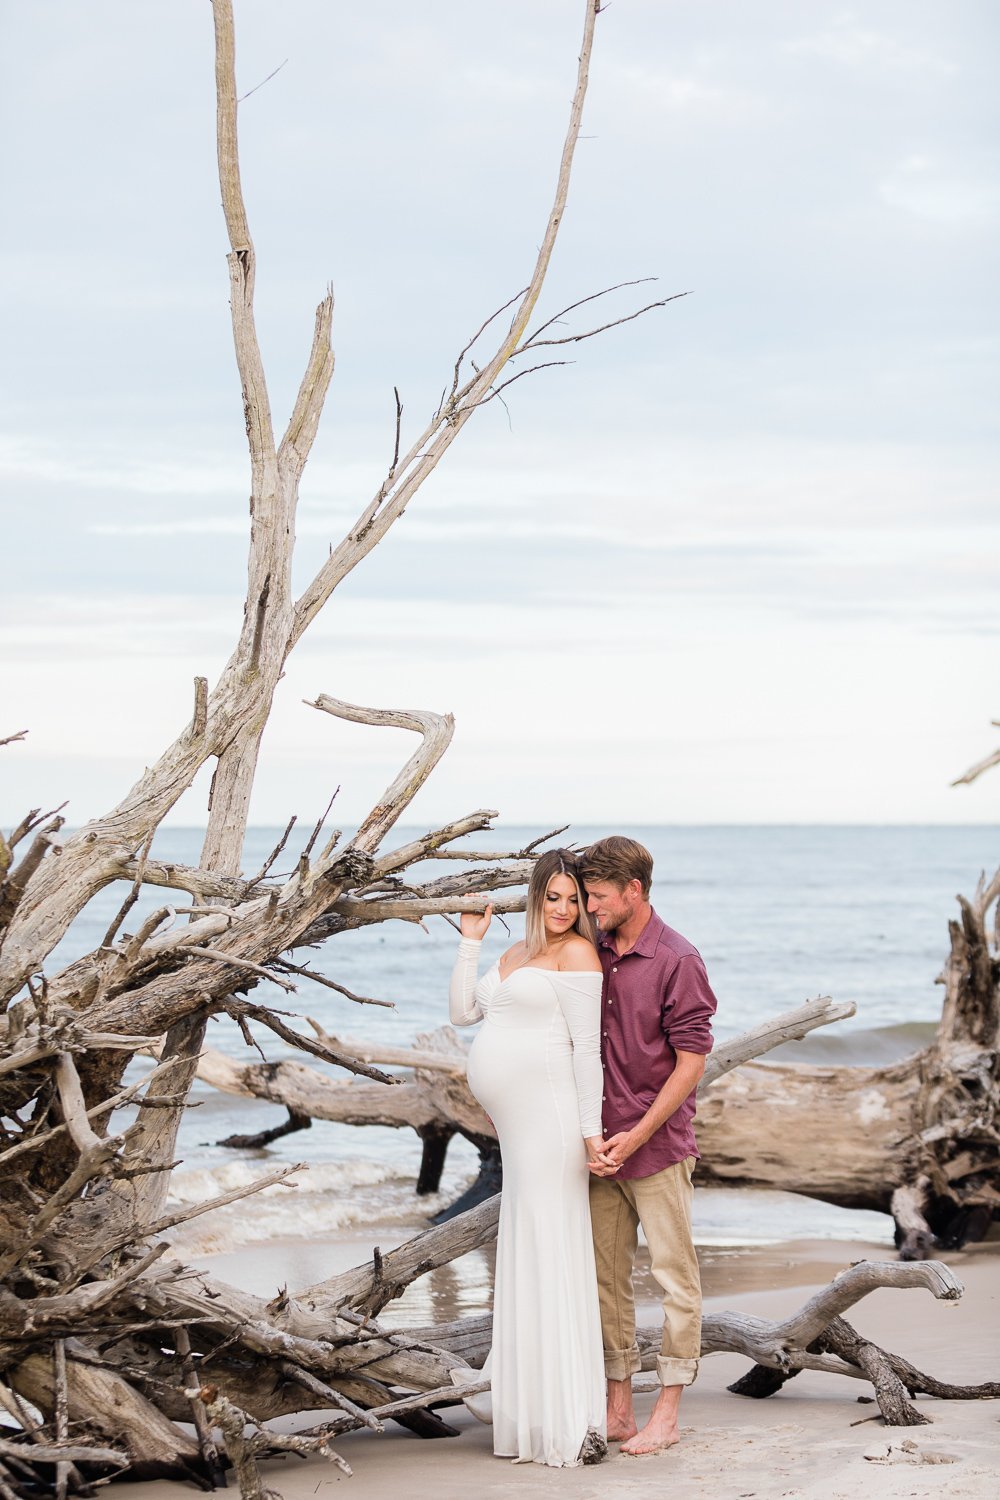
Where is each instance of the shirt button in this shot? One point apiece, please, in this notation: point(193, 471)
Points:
point(614, 971)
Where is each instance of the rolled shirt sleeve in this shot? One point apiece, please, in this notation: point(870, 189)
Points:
point(688, 1007)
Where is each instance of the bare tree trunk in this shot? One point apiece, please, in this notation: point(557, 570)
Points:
point(80, 1208)
point(94, 1326)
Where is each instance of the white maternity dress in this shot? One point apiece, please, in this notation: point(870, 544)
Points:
point(535, 1067)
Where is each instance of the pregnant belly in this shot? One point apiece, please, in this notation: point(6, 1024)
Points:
point(516, 1076)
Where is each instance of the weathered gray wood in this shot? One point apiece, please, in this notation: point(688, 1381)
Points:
point(99, 1399)
point(369, 1288)
point(815, 1337)
point(83, 1279)
point(438, 1097)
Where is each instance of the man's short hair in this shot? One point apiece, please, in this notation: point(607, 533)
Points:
point(617, 860)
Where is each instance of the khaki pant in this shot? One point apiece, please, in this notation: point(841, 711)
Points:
point(662, 1205)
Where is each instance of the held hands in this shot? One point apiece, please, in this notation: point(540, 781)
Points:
point(474, 924)
point(605, 1157)
point(598, 1160)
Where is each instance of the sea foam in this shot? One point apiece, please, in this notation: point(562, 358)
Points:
point(321, 1201)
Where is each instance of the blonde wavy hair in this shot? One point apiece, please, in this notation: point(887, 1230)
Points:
point(553, 862)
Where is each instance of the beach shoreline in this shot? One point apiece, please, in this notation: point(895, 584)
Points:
point(808, 1442)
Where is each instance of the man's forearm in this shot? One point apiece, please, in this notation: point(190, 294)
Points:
point(683, 1080)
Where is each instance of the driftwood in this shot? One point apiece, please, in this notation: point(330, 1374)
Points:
point(814, 1338)
point(109, 1357)
point(110, 1348)
point(435, 1101)
point(919, 1139)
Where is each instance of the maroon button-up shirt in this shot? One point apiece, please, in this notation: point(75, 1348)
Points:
point(656, 1002)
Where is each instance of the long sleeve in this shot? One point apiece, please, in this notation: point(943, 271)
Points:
point(580, 1002)
point(463, 1007)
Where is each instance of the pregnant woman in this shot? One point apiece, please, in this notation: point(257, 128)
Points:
point(535, 1067)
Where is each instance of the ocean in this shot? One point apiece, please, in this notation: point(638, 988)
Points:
point(780, 915)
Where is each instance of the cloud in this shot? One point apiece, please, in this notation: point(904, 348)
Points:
point(931, 187)
point(98, 466)
point(772, 502)
point(851, 44)
point(708, 95)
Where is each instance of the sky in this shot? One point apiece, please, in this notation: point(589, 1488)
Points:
point(737, 563)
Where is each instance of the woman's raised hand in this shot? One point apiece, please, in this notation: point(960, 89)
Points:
point(474, 924)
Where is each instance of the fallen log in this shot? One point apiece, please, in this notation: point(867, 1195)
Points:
point(435, 1101)
point(101, 1340)
point(816, 1337)
point(324, 1348)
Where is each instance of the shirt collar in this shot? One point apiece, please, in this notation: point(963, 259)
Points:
point(645, 944)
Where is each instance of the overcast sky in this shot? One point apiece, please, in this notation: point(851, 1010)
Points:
point(737, 563)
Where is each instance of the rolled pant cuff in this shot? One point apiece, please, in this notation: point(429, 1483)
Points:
point(622, 1364)
point(676, 1371)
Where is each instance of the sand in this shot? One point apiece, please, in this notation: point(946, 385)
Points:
point(814, 1439)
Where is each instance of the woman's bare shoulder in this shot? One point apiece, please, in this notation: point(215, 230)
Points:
point(579, 957)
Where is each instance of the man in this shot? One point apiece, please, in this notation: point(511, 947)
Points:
point(656, 1010)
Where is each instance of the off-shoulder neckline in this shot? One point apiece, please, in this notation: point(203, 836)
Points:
point(542, 969)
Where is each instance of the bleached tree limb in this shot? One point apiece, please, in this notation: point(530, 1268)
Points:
point(13, 888)
point(428, 450)
point(791, 1025)
point(60, 1453)
point(305, 1090)
point(297, 443)
point(329, 984)
point(430, 844)
point(256, 403)
point(37, 1142)
point(200, 951)
point(436, 732)
point(980, 766)
point(63, 1467)
point(857, 1282)
point(369, 1288)
point(74, 1107)
point(401, 1057)
point(207, 885)
point(320, 1049)
point(202, 1425)
point(358, 911)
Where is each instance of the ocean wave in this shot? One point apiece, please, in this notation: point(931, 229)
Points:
point(320, 1177)
point(846, 1046)
point(325, 1200)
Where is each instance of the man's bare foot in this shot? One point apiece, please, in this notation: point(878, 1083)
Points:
point(621, 1416)
point(621, 1428)
point(660, 1432)
point(649, 1441)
